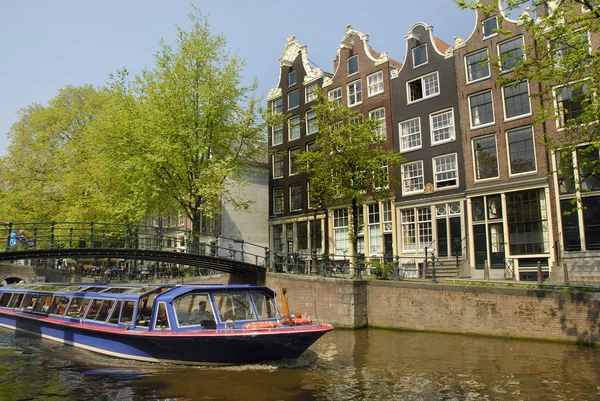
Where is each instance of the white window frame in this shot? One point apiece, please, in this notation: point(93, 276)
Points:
point(291, 152)
point(509, 161)
point(406, 187)
point(451, 126)
point(277, 138)
point(506, 118)
point(275, 192)
point(379, 115)
point(426, 55)
point(275, 156)
point(295, 75)
point(348, 65)
point(469, 81)
point(560, 123)
point(408, 226)
point(375, 84)
point(340, 231)
point(423, 88)
point(471, 110)
point(335, 95)
point(387, 212)
point(292, 186)
point(419, 145)
point(356, 93)
point(474, 155)
point(436, 172)
point(288, 95)
point(374, 229)
point(492, 34)
point(280, 99)
point(502, 71)
point(310, 92)
point(311, 115)
point(291, 124)
point(383, 175)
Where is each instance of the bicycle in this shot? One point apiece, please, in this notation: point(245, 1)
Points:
point(295, 265)
point(337, 267)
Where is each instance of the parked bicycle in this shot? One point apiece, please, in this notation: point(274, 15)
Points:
point(295, 264)
point(337, 268)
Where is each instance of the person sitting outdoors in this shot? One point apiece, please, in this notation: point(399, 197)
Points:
point(199, 315)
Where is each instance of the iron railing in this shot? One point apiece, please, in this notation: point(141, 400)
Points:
point(71, 235)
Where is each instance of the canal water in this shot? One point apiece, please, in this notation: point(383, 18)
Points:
point(344, 365)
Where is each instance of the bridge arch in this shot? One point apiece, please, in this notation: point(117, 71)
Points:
point(11, 280)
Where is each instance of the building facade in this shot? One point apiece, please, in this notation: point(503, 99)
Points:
point(361, 81)
point(508, 193)
point(294, 226)
point(426, 125)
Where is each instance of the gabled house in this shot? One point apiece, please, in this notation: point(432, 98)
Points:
point(361, 81)
point(427, 132)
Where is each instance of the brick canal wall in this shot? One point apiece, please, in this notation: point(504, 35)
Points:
point(340, 302)
point(483, 310)
point(494, 311)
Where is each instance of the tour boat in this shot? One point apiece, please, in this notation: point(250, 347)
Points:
point(203, 324)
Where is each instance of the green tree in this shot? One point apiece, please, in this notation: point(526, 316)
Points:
point(187, 132)
point(349, 161)
point(562, 62)
point(51, 171)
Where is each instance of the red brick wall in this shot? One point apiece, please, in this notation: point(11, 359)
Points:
point(513, 312)
point(342, 303)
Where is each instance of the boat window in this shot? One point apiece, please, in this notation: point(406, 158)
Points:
point(145, 307)
point(74, 288)
point(5, 299)
point(95, 289)
point(78, 306)
point(59, 305)
point(117, 290)
point(127, 312)
point(99, 309)
point(28, 301)
point(15, 301)
point(234, 306)
point(193, 309)
point(43, 303)
point(114, 316)
point(265, 305)
point(162, 320)
point(140, 290)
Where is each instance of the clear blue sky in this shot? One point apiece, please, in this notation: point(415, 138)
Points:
point(48, 44)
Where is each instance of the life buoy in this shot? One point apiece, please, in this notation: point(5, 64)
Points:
point(287, 321)
point(303, 320)
point(260, 325)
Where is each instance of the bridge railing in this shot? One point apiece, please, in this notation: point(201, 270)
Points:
point(21, 236)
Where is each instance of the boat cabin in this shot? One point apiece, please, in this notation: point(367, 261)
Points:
point(178, 308)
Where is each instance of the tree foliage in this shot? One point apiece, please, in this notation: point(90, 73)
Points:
point(51, 171)
point(348, 162)
point(180, 137)
point(187, 131)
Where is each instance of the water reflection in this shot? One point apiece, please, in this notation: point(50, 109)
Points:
point(344, 365)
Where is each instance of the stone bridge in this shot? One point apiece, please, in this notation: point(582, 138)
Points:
point(14, 273)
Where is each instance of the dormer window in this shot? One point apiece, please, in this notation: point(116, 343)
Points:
point(490, 26)
point(419, 55)
point(353, 65)
point(292, 78)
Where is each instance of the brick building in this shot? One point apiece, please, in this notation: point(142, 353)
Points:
point(508, 193)
point(292, 225)
point(361, 81)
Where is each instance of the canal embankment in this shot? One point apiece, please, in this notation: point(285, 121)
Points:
point(477, 308)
